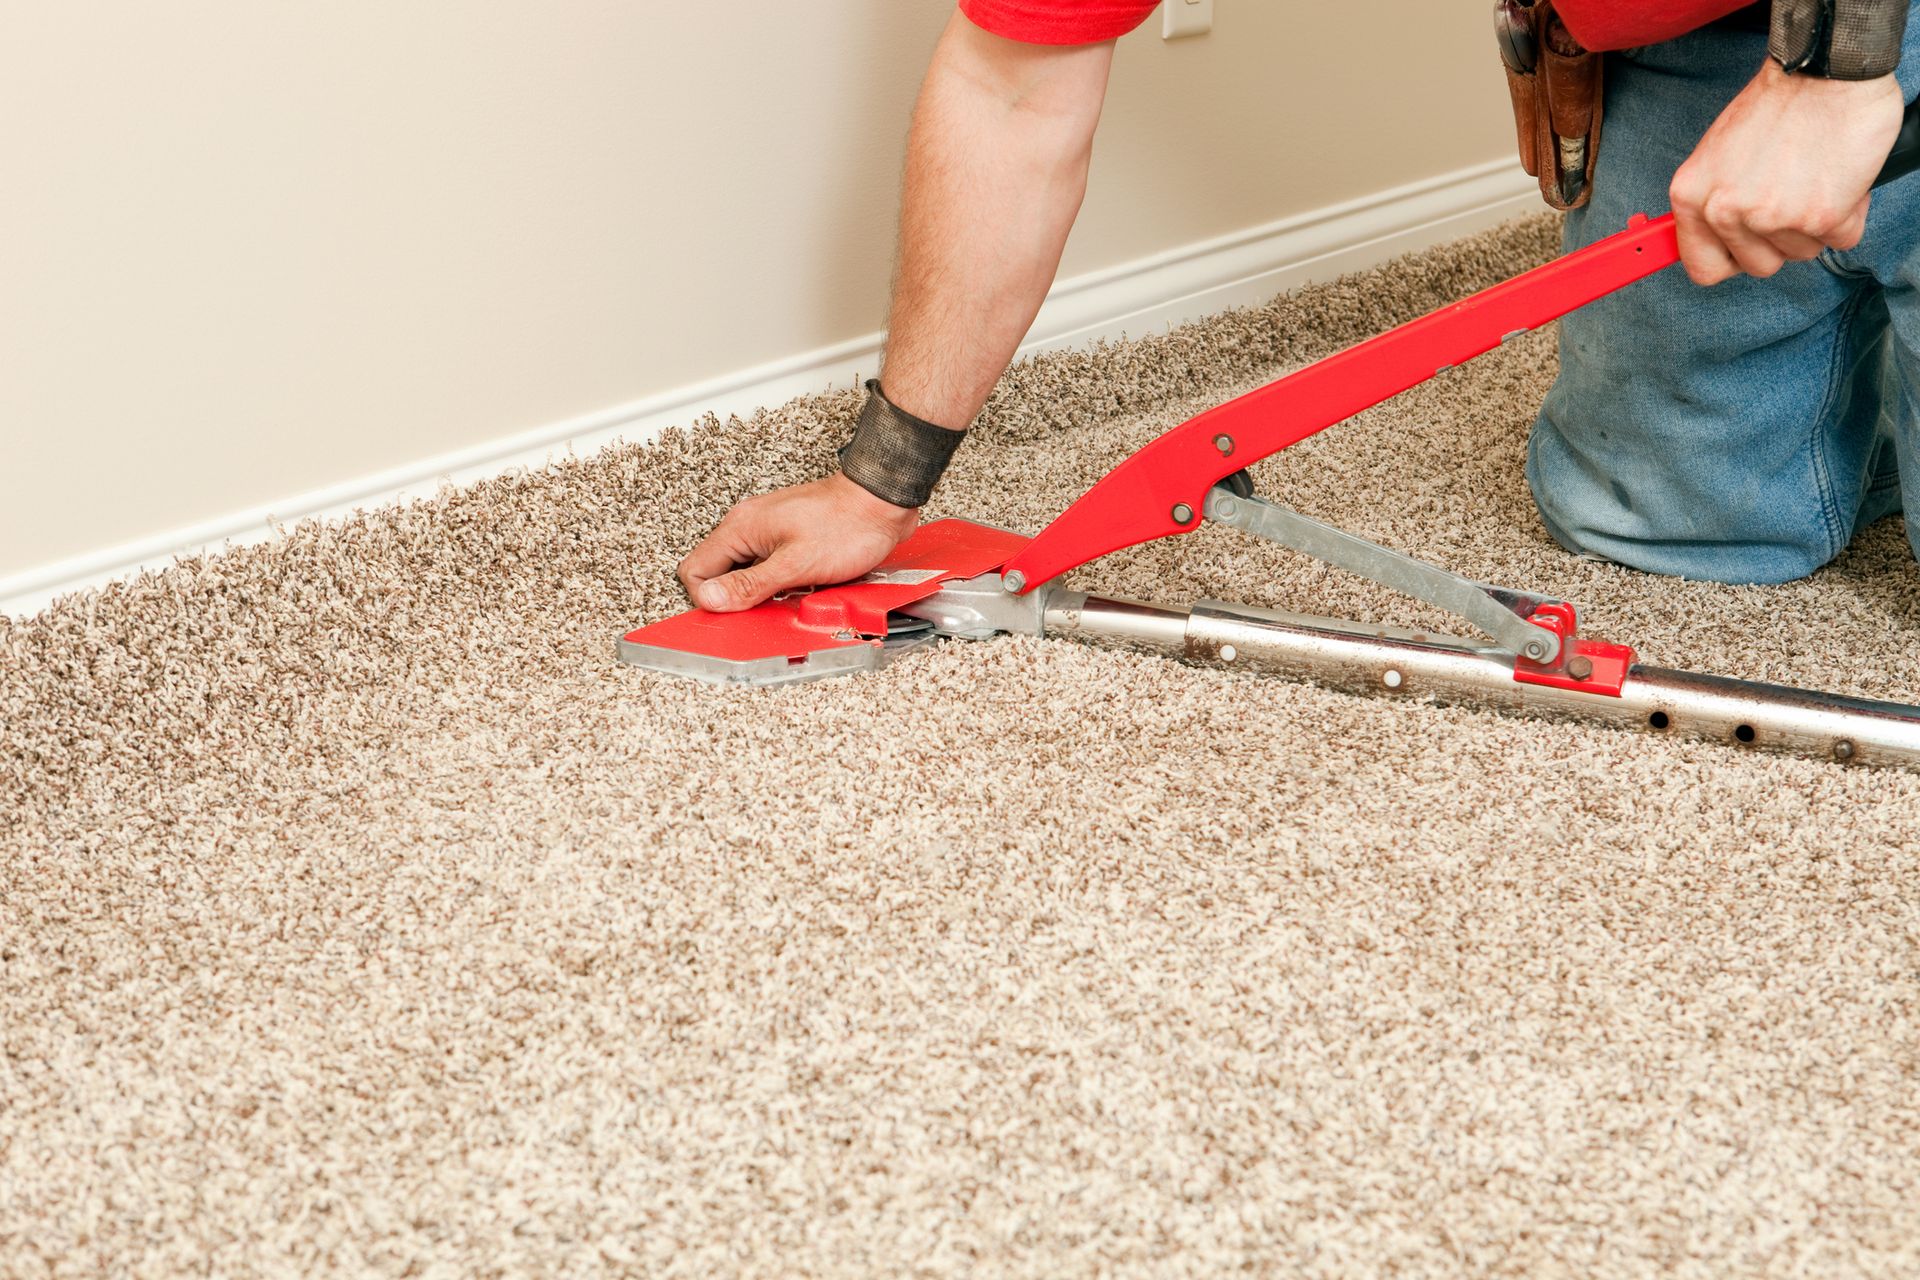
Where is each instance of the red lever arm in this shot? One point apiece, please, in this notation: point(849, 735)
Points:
point(1140, 499)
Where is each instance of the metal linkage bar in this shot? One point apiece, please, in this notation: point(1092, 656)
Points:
point(1485, 607)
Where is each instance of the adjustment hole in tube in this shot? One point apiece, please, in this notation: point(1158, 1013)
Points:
point(1744, 732)
point(1658, 720)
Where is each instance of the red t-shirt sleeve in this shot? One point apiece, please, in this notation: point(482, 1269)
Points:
point(1058, 21)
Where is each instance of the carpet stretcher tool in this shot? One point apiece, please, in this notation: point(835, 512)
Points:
point(957, 578)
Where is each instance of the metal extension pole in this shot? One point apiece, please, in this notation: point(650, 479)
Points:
point(1390, 662)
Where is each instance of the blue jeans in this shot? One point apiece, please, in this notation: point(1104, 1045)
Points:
point(1740, 432)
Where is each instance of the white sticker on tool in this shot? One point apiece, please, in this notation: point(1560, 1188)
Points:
point(902, 577)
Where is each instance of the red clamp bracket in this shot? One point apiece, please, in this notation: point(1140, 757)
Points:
point(1585, 666)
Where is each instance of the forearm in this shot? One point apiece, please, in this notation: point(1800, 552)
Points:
point(996, 169)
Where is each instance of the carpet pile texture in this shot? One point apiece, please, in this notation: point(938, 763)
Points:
point(360, 915)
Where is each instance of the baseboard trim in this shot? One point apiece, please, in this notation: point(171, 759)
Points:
point(1133, 298)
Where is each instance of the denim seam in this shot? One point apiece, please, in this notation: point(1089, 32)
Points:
point(1835, 265)
point(1817, 437)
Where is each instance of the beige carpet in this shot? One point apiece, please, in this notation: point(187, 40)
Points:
point(359, 914)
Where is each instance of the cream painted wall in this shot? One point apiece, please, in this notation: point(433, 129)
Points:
point(251, 250)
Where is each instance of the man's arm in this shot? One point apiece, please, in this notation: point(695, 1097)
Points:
point(1785, 171)
point(996, 169)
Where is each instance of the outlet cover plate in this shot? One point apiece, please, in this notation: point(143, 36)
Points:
point(1180, 18)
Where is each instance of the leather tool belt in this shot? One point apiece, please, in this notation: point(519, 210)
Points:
point(1556, 87)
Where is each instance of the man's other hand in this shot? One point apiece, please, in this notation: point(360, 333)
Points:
point(808, 535)
point(1783, 173)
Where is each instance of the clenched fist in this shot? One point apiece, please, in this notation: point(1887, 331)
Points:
point(1783, 173)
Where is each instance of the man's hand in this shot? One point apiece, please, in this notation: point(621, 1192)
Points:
point(1783, 173)
point(805, 536)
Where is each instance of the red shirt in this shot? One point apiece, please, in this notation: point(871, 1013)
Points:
point(1623, 24)
point(1058, 21)
point(1597, 24)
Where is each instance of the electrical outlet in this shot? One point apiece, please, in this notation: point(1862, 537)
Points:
point(1185, 18)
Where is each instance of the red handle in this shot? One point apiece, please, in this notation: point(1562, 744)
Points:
point(1137, 500)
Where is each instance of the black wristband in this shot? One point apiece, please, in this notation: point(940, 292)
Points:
point(895, 456)
point(1838, 39)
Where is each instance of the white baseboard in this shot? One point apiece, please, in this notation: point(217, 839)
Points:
point(1133, 298)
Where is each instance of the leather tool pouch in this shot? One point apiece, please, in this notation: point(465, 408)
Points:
point(1556, 89)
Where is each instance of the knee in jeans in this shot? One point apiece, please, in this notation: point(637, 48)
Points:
point(1677, 536)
